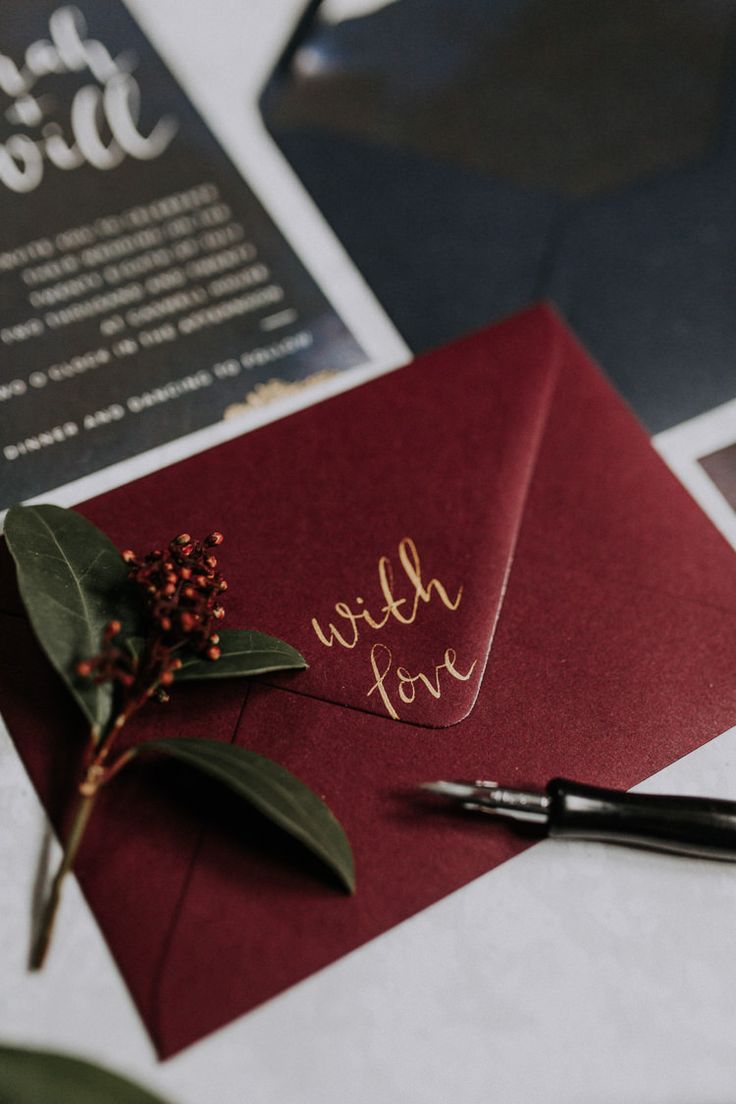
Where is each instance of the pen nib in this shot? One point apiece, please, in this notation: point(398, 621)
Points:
point(488, 797)
point(463, 791)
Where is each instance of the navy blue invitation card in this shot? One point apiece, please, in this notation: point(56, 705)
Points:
point(145, 293)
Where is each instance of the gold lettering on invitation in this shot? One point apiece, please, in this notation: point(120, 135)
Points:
point(390, 681)
point(406, 682)
point(410, 562)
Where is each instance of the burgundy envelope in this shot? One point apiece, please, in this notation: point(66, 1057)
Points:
point(490, 573)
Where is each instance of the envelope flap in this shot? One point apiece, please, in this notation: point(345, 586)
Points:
point(373, 531)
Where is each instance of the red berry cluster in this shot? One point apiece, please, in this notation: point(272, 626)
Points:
point(183, 589)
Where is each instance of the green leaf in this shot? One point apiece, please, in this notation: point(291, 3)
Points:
point(274, 791)
point(72, 581)
point(243, 653)
point(35, 1076)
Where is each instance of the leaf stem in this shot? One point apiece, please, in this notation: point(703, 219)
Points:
point(96, 775)
point(82, 813)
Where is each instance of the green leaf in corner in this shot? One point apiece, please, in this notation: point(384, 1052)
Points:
point(274, 791)
point(72, 581)
point(32, 1076)
point(243, 653)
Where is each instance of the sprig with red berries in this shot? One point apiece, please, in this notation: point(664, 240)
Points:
point(181, 589)
point(121, 629)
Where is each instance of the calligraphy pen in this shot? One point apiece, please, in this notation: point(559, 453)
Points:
point(697, 826)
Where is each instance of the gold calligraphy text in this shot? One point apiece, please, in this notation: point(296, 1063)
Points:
point(406, 683)
point(354, 618)
point(393, 683)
